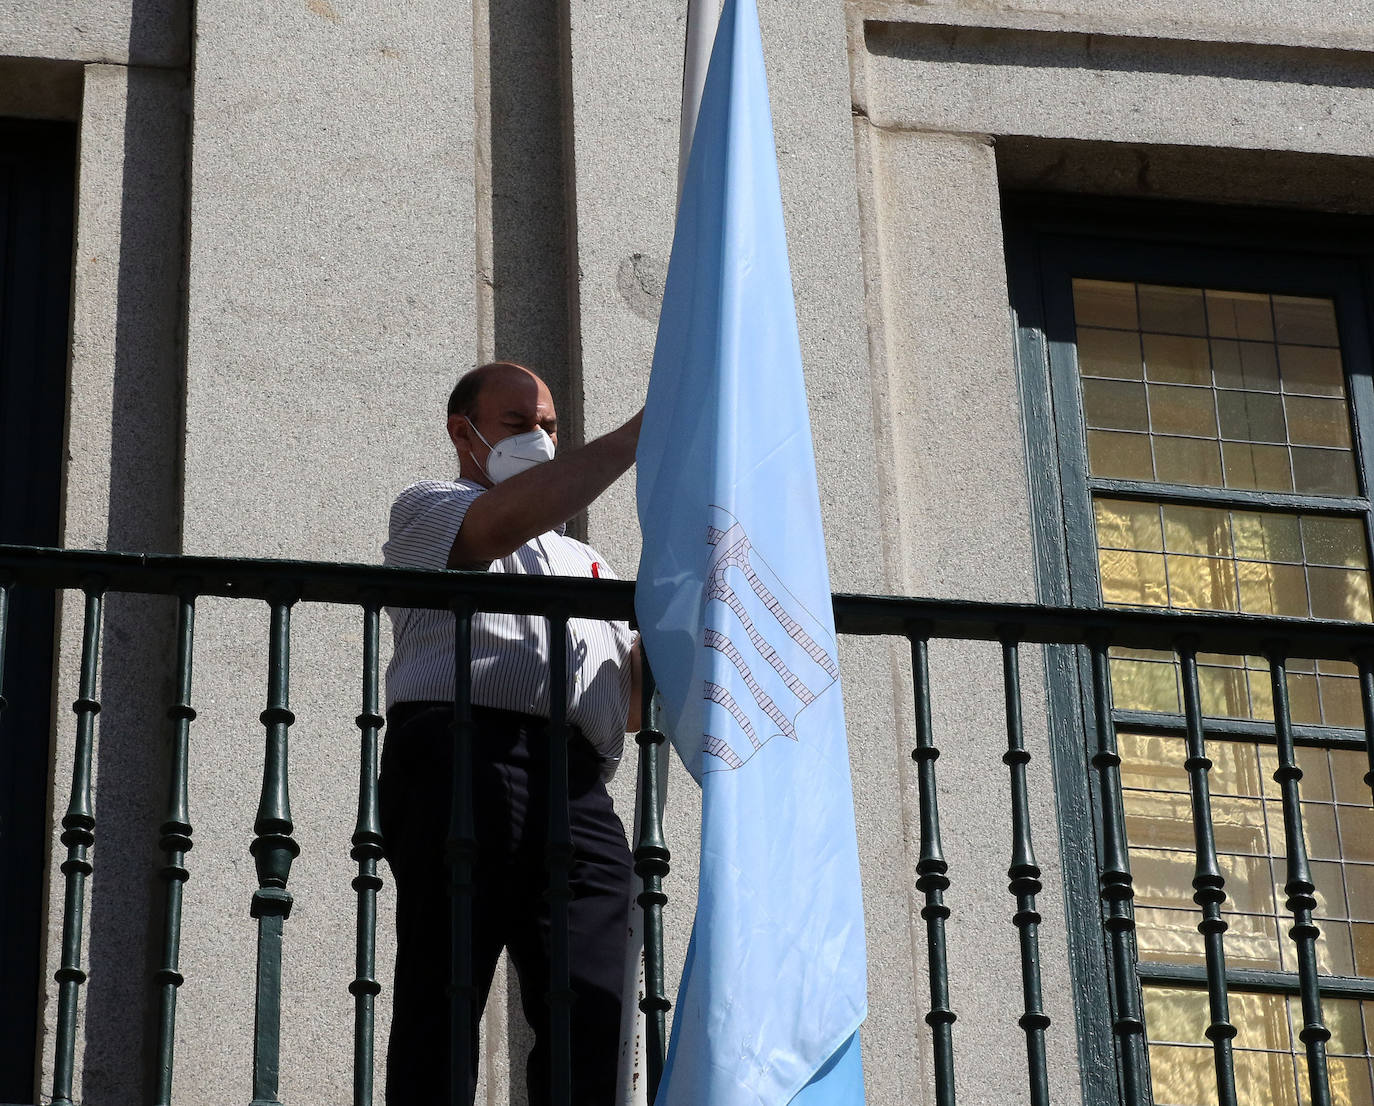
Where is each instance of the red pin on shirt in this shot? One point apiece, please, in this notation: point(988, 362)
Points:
point(596, 570)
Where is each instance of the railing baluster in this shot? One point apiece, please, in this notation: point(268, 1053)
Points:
point(558, 857)
point(1366, 662)
point(78, 834)
point(273, 850)
point(367, 850)
point(1298, 885)
point(651, 865)
point(1209, 886)
point(5, 583)
point(174, 839)
point(1115, 888)
point(931, 870)
point(461, 856)
point(1024, 880)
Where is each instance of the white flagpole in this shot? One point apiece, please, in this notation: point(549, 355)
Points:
point(703, 16)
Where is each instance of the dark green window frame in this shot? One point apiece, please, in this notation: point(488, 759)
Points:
point(1050, 240)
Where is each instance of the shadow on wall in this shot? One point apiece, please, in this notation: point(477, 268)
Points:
point(531, 242)
point(138, 651)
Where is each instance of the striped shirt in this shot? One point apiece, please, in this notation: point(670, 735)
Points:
point(510, 653)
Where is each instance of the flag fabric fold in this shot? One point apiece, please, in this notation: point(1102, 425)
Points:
point(733, 601)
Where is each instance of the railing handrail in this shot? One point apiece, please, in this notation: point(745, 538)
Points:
point(865, 615)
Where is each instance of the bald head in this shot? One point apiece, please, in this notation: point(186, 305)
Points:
point(496, 400)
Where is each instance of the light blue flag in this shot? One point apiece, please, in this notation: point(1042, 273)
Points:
point(734, 604)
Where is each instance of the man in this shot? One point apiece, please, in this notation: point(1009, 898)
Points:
point(505, 513)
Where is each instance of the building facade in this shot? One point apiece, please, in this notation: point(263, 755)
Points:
point(1085, 305)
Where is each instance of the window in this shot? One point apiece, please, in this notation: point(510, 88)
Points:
point(1206, 404)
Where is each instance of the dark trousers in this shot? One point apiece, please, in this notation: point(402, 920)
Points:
point(510, 788)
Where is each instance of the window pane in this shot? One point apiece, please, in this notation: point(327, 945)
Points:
point(1324, 471)
point(1250, 366)
point(1174, 359)
point(1187, 461)
point(1328, 540)
point(1136, 579)
point(1257, 467)
point(1310, 371)
point(1115, 405)
point(1272, 589)
point(1165, 309)
point(1266, 536)
point(1205, 531)
point(1122, 524)
point(1113, 353)
point(1104, 303)
point(1317, 421)
point(1339, 593)
point(1122, 456)
point(1201, 583)
point(1175, 409)
point(1239, 315)
point(1251, 416)
point(1304, 321)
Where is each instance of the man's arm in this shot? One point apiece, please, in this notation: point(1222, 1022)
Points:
point(505, 517)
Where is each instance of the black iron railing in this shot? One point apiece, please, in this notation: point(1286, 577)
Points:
point(282, 584)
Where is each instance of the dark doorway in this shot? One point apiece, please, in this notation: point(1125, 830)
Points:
point(37, 175)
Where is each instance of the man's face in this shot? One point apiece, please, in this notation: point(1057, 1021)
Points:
point(512, 400)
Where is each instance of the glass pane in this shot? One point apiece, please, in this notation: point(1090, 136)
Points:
point(1334, 541)
point(1339, 593)
point(1316, 773)
point(1342, 1018)
point(1363, 936)
point(1109, 353)
point(1319, 830)
point(1312, 371)
point(1202, 583)
point(1266, 536)
point(1183, 1076)
point(1239, 315)
point(1272, 589)
point(1122, 524)
point(1115, 405)
point(1223, 691)
point(1252, 941)
point(1251, 366)
point(1165, 878)
point(1349, 768)
point(1239, 826)
point(1121, 456)
point(1145, 685)
point(1262, 1079)
point(1104, 303)
point(1257, 467)
point(1162, 820)
point(1349, 1081)
point(1359, 890)
point(1175, 409)
point(1175, 1014)
point(1204, 531)
point(1151, 762)
point(1174, 359)
point(1251, 416)
point(1261, 1021)
point(1248, 887)
point(1187, 461)
point(1235, 768)
point(1317, 421)
point(1169, 936)
point(1323, 471)
point(1304, 702)
point(1340, 701)
point(1304, 321)
point(1169, 310)
point(1136, 579)
point(1357, 832)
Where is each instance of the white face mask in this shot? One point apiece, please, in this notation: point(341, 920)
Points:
point(515, 454)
